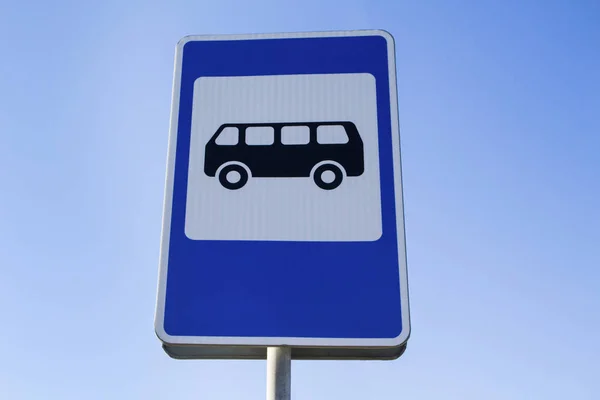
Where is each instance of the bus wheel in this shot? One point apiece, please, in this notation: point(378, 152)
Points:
point(328, 176)
point(233, 176)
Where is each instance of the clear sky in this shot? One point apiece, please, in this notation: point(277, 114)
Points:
point(499, 106)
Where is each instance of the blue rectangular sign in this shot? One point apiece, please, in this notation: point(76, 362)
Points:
point(283, 217)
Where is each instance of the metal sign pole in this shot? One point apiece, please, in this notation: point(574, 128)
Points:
point(279, 373)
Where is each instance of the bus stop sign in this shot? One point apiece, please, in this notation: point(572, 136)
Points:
point(283, 216)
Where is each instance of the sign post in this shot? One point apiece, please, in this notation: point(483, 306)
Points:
point(283, 224)
point(279, 373)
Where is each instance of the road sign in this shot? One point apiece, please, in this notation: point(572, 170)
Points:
point(283, 218)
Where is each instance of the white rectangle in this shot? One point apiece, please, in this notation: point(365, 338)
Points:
point(284, 209)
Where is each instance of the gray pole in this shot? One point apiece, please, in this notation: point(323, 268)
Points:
point(279, 373)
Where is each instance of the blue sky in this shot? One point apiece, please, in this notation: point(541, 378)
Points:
point(500, 132)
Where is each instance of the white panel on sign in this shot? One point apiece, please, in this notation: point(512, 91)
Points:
point(296, 209)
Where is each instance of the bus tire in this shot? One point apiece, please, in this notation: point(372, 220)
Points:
point(322, 170)
point(233, 176)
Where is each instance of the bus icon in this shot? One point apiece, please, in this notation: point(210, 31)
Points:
point(327, 152)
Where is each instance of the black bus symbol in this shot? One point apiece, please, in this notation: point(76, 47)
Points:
point(325, 151)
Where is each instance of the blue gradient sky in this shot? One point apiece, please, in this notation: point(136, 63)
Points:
point(500, 130)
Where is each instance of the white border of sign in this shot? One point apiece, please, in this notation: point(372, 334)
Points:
point(283, 341)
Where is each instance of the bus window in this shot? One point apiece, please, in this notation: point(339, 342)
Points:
point(228, 137)
point(260, 135)
point(295, 135)
point(331, 134)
